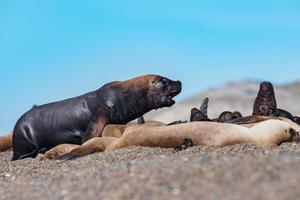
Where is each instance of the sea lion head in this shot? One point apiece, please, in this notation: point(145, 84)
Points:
point(197, 115)
point(162, 90)
point(266, 87)
point(227, 116)
point(297, 119)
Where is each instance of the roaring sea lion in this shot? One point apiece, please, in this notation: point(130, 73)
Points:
point(79, 119)
point(266, 133)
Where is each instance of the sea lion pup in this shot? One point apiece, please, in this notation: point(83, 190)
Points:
point(6, 142)
point(266, 133)
point(79, 119)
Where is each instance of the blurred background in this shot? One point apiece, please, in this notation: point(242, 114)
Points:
point(55, 49)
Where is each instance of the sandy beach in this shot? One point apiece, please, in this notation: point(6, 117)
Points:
point(235, 172)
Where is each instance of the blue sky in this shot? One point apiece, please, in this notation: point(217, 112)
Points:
point(55, 49)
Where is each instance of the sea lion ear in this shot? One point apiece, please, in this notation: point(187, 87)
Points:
point(158, 84)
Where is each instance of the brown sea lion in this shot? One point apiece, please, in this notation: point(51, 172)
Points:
point(79, 119)
point(6, 142)
point(265, 133)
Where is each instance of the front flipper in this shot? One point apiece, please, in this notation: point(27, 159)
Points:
point(96, 126)
point(59, 151)
point(94, 145)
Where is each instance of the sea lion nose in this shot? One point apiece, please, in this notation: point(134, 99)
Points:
point(179, 84)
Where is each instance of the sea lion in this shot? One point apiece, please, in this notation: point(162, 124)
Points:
point(6, 142)
point(265, 133)
point(265, 97)
point(201, 114)
point(227, 116)
point(265, 103)
point(79, 119)
point(110, 131)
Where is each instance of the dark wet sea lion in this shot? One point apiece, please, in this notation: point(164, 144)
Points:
point(228, 116)
point(79, 119)
point(200, 114)
point(265, 103)
point(265, 97)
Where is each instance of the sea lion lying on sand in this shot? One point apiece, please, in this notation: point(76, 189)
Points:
point(265, 133)
point(79, 119)
point(201, 114)
point(110, 131)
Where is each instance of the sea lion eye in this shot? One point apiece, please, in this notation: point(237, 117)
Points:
point(164, 81)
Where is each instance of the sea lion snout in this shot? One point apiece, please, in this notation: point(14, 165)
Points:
point(163, 91)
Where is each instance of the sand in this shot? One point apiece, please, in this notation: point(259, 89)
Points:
point(234, 172)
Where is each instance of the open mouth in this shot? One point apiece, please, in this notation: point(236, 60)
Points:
point(172, 94)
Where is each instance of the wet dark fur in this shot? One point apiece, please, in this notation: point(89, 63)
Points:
point(265, 103)
point(201, 114)
point(79, 119)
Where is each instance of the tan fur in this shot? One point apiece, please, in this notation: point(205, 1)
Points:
point(113, 130)
point(59, 151)
point(254, 120)
point(110, 133)
point(270, 132)
point(266, 133)
point(6, 142)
